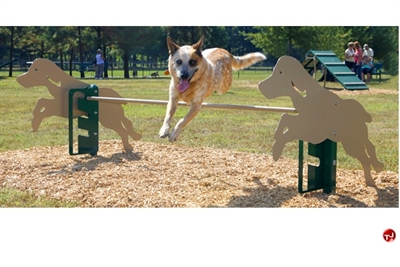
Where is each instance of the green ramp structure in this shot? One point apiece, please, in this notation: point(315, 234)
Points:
point(334, 66)
point(7, 63)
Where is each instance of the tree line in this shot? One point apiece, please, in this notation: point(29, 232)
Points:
point(131, 43)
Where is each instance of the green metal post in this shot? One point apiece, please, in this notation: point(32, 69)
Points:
point(324, 175)
point(86, 144)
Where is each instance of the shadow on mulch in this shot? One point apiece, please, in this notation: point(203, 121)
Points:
point(386, 198)
point(266, 197)
point(90, 163)
point(263, 196)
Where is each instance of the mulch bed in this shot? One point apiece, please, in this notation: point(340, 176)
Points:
point(172, 175)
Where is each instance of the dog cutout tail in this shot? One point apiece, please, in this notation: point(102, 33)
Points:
point(240, 62)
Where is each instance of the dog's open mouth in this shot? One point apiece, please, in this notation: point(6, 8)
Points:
point(183, 85)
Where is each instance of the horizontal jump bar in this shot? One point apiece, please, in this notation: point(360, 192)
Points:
point(204, 105)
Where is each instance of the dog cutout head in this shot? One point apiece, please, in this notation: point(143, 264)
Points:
point(184, 62)
point(40, 73)
point(288, 74)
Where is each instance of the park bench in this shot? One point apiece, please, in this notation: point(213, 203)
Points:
point(377, 71)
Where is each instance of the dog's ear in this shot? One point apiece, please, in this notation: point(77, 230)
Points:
point(198, 46)
point(172, 47)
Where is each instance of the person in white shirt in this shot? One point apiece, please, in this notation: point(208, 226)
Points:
point(368, 52)
point(349, 56)
point(99, 65)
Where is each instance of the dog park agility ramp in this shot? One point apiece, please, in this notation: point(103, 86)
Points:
point(7, 63)
point(332, 65)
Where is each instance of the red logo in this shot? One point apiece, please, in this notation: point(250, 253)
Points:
point(389, 235)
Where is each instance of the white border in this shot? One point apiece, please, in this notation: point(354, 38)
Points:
point(197, 13)
point(197, 237)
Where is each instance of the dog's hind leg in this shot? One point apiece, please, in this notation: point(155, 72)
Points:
point(357, 150)
point(194, 109)
point(122, 132)
point(378, 166)
point(112, 117)
point(129, 127)
point(124, 138)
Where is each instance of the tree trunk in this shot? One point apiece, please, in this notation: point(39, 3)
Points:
point(290, 41)
point(106, 62)
point(70, 62)
point(61, 60)
point(81, 69)
point(11, 51)
point(126, 64)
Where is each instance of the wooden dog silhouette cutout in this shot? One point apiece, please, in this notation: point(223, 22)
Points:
point(44, 72)
point(321, 115)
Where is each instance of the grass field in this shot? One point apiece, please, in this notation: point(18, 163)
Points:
point(247, 131)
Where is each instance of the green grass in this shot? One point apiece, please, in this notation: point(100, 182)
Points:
point(12, 198)
point(229, 129)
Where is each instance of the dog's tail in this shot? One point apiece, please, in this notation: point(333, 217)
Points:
point(246, 60)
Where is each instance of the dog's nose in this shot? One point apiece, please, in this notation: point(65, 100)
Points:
point(184, 75)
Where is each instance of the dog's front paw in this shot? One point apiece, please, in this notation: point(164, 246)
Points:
point(175, 134)
point(164, 132)
point(173, 137)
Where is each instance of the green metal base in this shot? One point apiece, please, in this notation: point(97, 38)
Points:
point(324, 175)
point(86, 144)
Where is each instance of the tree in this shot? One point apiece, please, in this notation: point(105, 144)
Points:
point(62, 43)
point(297, 41)
point(58, 35)
point(154, 47)
point(85, 43)
point(274, 41)
point(385, 43)
point(10, 35)
point(187, 35)
point(70, 45)
point(128, 39)
point(38, 42)
point(236, 41)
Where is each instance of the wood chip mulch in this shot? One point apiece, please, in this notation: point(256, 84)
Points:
point(171, 175)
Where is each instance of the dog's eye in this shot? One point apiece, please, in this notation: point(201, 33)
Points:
point(192, 62)
point(178, 62)
point(36, 70)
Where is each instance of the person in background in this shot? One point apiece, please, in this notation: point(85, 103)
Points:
point(349, 56)
point(358, 59)
point(366, 68)
point(99, 65)
point(368, 52)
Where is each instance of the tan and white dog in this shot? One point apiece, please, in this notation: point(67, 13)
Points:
point(196, 74)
